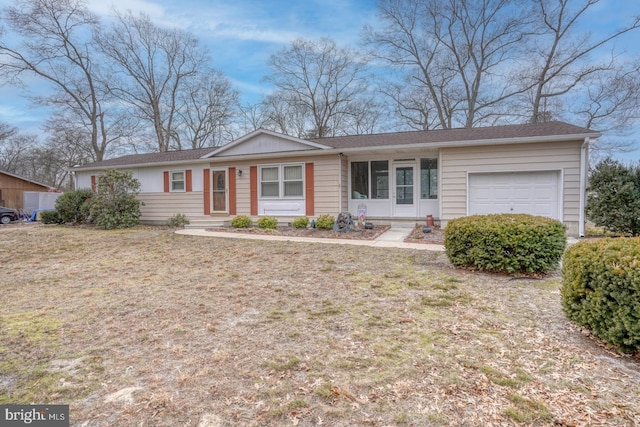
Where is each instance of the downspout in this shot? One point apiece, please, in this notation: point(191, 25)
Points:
point(340, 156)
point(584, 165)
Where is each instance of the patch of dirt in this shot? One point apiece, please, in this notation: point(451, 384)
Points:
point(207, 331)
point(358, 233)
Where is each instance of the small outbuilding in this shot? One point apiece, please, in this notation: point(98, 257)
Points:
point(13, 187)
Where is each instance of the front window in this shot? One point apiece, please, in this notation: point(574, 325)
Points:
point(428, 178)
point(380, 179)
point(293, 183)
point(270, 182)
point(360, 180)
point(281, 181)
point(177, 181)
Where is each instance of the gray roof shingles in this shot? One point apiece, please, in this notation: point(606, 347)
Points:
point(529, 130)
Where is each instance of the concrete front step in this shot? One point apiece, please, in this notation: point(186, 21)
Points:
point(206, 223)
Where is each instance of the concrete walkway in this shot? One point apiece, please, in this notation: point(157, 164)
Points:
point(392, 238)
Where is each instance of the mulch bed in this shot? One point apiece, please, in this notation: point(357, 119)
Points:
point(357, 234)
point(435, 237)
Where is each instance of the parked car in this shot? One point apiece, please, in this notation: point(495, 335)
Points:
point(7, 215)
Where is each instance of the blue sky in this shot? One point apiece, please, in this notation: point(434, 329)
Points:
point(242, 34)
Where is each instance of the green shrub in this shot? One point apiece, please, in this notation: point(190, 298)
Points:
point(325, 222)
point(267, 222)
point(74, 206)
point(114, 204)
point(51, 217)
point(178, 220)
point(613, 200)
point(601, 289)
point(302, 222)
point(241, 221)
point(507, 243)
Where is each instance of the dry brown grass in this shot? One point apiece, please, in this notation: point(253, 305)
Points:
point(146, 327)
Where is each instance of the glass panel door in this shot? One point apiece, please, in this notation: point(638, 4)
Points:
point(219, 189)
point(404, 185)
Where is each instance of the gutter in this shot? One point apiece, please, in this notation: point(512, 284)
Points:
point(584, 165)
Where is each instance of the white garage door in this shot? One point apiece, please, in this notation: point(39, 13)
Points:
point(535, 193)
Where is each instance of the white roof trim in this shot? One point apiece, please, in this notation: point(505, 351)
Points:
point(266, 132)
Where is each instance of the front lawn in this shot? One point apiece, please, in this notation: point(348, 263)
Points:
point(146, 327)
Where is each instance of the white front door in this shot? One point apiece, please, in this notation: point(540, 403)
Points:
point(404, 191)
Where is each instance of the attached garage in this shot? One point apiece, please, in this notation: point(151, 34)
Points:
point(535, 193)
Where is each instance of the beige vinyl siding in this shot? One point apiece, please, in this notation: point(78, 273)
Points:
point(158, 207)
point(344, 189)
point(325, 176)
point(560, 156)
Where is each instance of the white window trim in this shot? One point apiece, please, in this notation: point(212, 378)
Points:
point(184, 181)
point(281, 181)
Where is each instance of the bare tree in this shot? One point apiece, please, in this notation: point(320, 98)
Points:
point(208, 107)
point(283, 114)
point(322, 82)
point(150, 67)
point(252, 117)
point(54, 43)
point(560, 60)
point(456, 56)
point(13, 145)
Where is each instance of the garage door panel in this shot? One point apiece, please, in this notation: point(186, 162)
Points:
point(535, 193)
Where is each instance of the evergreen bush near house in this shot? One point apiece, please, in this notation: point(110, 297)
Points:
point(325, 222)
point(51, 217)
point(241, 221)
point(114, 204)
point(613, 200)
point(601, 289)
point(267, 222)
point(302, 222)
point(505, 243)
point(74, 207)
point(178, 220)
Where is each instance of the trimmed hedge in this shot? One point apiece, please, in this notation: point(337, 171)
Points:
point(601, 289)
point(241, 221)
point(505, 243)
point(302, 222)
point(267, 222)
point(325, 222)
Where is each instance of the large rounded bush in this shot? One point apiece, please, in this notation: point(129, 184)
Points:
point(74, 206)
point(601, 289)
point(506, 243)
